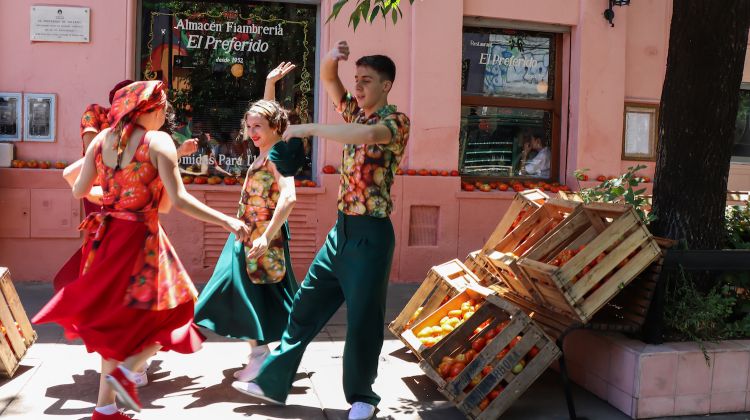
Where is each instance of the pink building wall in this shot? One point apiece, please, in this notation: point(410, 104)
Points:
point(603, 67)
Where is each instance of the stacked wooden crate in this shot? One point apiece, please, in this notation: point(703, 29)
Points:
point(16, 334)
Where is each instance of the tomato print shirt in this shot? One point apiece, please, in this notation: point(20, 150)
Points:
point(367, 170)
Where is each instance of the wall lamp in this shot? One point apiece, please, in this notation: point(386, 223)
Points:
point(609, 14)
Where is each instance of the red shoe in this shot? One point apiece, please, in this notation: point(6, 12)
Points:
point(116, 416)
point(125, 389)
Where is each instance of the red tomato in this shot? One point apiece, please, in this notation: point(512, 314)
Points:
point(533, 352)
point(411, 172)
point(454, 173)
point(471, 355)
point(399, 171)
point(134, 197)
point(444, 173)
point(601, 178)
point(328, 169)
point(423, 172)
point(456, 368)
point(434, 172)
point(478, 344)
point(502, 187)
point(487, 370)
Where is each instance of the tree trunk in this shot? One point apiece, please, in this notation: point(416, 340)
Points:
point(699, 100)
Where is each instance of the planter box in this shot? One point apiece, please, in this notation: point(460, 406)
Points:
point(670, 379)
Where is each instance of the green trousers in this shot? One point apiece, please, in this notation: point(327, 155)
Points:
point(353, 267)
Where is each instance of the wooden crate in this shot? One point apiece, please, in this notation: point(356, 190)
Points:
point(442, 283)
point(522, 206)
point(611, 234)
point(481, 268)
point(503, 257)
point(17, 335)
point(627, 311)
point(496, 359)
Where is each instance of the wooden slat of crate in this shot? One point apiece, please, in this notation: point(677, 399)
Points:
point(444, 280)
point(13, 345)
point(480, 267)
point(409, 336)
point(495, 310)
point(553, 323)
point(619, 231)
point(524, 202)
point(503, 257)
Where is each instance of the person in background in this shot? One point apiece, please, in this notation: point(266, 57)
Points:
point(537, 166)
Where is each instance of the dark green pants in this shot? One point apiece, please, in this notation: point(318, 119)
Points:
point(352, 267)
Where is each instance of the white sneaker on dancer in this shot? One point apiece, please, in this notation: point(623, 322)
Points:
point(141, 378)
point(252, 389)
point(255, 361)
point(361, 411)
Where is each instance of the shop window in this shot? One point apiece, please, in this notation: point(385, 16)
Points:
point(215, 56)
point(510, 113)
point(741, 149)
point(639, 131)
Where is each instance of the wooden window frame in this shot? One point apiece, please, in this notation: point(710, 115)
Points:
point(553, 105)
point(653, 132)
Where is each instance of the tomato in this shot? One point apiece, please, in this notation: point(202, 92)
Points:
point(502, 186)
point(478, 344)
point(470, 355)
point(137, 172)
point(230, 180)
point(399, 171)
point(444, 368)
point(601, 178)
point(554, 189)
point(486, 370)
point(490, 335)
point(444, 173)
point(483, 405)
point(533, 352)
point(187, 179)
point(493, 394)
point(273, 263)
point(502, 353)
point(518, 187)
point(31, 164)
point(514, 341)
point(200, 180)
point(456, 368)
point(519, 367)
point(411, 172)
point(328, 169)
point(485, 188)
point(297, 183)
point(213, 180)
point(434, 172)
point(256, 214)
point(454, 173)
point(646, 179)
point(134, 197)
point(44, 164)
point(60, 165)
point(423, 172)
point(469, 187)
point(309, 183)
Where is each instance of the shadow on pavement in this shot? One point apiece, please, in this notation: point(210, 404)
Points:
point(404, 354)
point(223, 392)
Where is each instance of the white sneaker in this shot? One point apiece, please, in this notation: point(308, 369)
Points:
point(252, 389)
point(250, 371)
point(361, 411)
point(140, 379)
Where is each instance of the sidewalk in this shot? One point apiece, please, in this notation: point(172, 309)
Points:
point(59, 380)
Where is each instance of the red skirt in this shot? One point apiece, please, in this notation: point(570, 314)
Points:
point(72, 267)
point(92, 306)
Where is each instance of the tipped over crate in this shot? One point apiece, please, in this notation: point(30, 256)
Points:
point(503, 353)
point(503, 256)
point(522, 206)
point(442, 283)
point(480, 267)
point(425, 334)
point(16, 334)
point(588, 259)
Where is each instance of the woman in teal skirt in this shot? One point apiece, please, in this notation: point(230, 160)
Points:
point(250, 293)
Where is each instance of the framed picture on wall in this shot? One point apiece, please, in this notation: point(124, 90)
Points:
point(639, 131)
point(10, 116)
point(39, 117)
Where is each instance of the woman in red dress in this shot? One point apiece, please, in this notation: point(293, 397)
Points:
point(132, 296)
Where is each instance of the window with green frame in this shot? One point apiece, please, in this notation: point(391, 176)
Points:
point(214, 56)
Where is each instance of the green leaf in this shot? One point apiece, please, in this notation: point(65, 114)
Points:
point(336, 9)
point(374, 13)
point(394, 16)
point(354, 19)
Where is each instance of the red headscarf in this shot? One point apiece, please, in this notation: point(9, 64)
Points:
point(131, 102)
